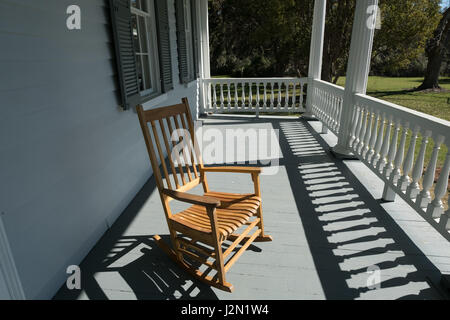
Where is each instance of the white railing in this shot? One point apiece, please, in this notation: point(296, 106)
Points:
point(326, 104)
point(255, 95)
point(405, 148)
point(395, 142)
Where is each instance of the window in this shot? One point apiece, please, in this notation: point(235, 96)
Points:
point(145, 45)
point(142, 43)
point(186, 40)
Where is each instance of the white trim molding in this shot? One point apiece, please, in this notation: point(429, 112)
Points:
point(8, 267)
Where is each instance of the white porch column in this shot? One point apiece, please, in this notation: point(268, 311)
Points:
point(204, 63)
point(358, 68)
point(316, 52)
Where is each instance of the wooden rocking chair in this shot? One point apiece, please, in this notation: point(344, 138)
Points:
point(197, 233)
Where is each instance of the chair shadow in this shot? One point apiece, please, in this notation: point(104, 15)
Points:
point(143, 271)
point(133, 267)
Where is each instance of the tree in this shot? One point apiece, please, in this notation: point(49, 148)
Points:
point(272, 37)
point(405, 26)
point(260, 38)
point(435, 50)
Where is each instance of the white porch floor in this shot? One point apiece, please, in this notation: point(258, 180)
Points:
point(328, 224)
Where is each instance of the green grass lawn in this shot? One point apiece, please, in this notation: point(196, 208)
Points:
point(396, 90)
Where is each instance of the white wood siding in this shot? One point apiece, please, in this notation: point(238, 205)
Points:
point(71, 160)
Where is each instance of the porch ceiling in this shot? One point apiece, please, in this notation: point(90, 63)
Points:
point(326, 219)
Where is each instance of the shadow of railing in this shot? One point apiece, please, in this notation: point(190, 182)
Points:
point(349, 234)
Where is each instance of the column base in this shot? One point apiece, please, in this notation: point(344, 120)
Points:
point(343, 153)
point(308, 116)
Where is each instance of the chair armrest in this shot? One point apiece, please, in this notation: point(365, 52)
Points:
point(252, 170)
point(210, 202)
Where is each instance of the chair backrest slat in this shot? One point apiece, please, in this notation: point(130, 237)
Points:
point(177, 156)
point(191, 154)
point(168, 149)
point(193, 136)
point(182, 144)
point(161, 155)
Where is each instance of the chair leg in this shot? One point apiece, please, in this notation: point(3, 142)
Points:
point(263, 237)
point(176, 244)
point(217, 245)
point(219, 262)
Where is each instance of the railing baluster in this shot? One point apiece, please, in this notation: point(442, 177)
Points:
point(409, 161)
point(379, 141)
point(243, 96)
point(214, 98)
point(336, 113)
point(265, 97)
point(326, 114)
point(236, 96)
point(362, 134)
point(396, 173)
point(356, 119)
point(373, 138)
point(301, 96)
point(272, 96)
point(250, 96)
point(366, 147)
point(413, 189)
point(332, 110)
point(294, 96)
point(257, 99)
point(279, 96)
point(436, 207)
point(424, 197)
point(222, 100)
point(385, 147)
point(286, 96)
point(359, 127)
point(389, 172)
point(392, 151)
point(229, 95)
point(208, 95)
point(328, 108)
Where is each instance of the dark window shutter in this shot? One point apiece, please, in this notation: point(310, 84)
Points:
point(165, 61)
point(195, 38)
point(181, 41)
point(125, 56)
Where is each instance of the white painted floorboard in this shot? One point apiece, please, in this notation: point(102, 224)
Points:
point(326, 219)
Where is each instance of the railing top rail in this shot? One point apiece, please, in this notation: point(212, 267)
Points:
point(335, 89)
point(415, 118)
point(253, 79)
point(329, 84)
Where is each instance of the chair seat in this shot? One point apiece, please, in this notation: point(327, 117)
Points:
point(235, 210)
